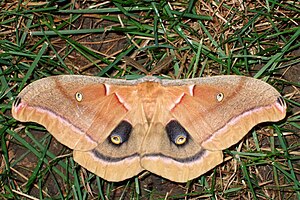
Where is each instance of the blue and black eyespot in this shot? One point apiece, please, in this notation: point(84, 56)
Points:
point(121, 133)
point(176, 133)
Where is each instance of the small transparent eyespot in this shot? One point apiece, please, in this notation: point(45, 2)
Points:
point(116, 139)
point(181, 139)
point(78, 96)
point(220, 97)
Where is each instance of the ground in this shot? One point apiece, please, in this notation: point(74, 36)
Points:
point(206, 39)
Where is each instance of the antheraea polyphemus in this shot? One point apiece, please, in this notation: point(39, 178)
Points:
point(174, 128)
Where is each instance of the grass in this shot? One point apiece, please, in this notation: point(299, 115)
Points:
point(258, 39)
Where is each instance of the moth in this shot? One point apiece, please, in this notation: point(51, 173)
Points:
point(176, 129)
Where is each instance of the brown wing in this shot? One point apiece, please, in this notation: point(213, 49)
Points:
point(210, 114)
point(220, 111)
point(86, 115)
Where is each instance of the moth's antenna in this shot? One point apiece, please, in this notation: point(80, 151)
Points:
point(135, 64)
point(162, 64)
point(158, 67)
